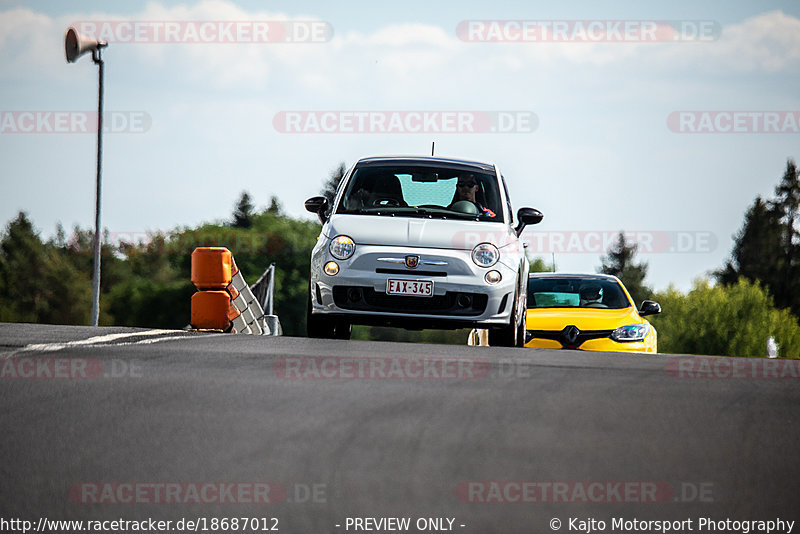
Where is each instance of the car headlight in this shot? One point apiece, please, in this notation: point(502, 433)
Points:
point(630, 333)
point(485, 255)
point(342, 247)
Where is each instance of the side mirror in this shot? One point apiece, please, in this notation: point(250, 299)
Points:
point(527, 216)
point(318, 205)
point(649, 308)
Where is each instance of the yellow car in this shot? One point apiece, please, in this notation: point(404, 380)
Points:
point(587, 312)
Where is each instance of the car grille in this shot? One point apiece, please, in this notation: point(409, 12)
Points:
point(569, 339)
point(407, 272)
point(451, 303)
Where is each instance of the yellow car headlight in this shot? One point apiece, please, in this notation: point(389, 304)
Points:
point(630, 333)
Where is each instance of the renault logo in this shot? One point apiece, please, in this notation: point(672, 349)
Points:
point(569, 336)
point(412, 262)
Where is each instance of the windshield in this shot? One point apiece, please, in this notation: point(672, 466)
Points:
point(575, 293)
point(416, 191)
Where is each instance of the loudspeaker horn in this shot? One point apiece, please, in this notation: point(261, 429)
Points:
point(75, 45)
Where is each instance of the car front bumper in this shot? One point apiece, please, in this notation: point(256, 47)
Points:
point(603, 344)
point(461, 296)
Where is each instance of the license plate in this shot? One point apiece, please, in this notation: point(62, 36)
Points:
point(417, 288)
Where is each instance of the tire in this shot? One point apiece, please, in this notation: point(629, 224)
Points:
point(512, 334)
point(342, 330)
point(321, 327)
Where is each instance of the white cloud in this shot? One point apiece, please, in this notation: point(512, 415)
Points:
point(769, 42)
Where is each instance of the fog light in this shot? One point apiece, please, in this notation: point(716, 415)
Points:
point(331, 268)
point(354, 294)
point(493, 277)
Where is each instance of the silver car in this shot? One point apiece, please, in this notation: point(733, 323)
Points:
point(420, 242)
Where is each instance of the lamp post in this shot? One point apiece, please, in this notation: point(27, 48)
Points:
point(75, 45)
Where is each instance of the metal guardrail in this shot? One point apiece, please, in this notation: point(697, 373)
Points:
point(263, 289)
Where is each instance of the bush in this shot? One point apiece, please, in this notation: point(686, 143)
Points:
point(733, 320)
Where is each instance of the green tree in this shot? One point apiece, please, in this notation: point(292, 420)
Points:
point(767, 248)
point(148, 283)
point(243, 213)
point(275, 207)
point(150, 288)
point(724, 320)
point(539, 265)
point(38, 284)
point(332, 183)
point(757, 251)
point(787, 203)
point(619, 262)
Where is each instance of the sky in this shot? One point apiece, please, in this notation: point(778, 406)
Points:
point(666, 130)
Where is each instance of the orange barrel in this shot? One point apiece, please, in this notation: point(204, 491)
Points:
point(211, 267)
point(210, 310)
point(232, 291)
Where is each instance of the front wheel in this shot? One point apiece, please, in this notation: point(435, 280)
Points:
point(512, 334)
point(318, 326)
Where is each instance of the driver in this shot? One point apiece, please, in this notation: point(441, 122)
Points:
point(467, 189)
point(591, 296)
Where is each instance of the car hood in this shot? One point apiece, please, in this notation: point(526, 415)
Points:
point(412, 231)
point(584, 318)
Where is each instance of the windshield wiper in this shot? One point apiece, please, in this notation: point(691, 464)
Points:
point(364, 211)
point(411, 211)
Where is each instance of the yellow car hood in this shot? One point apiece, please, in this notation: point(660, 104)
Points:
point(584, 318)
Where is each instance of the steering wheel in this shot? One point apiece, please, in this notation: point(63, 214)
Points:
point(464, 206)
point(386, 202)
point(595, 305)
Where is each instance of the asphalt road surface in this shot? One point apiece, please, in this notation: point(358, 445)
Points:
point(340, 436)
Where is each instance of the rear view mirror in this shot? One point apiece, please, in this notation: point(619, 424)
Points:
point(425, 177)
point(527, 216)
point(318, 205)
point(649, 308)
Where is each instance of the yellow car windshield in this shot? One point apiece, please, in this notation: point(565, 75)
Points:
point(570, 292)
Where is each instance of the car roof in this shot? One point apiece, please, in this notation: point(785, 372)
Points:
point(576, 276)
point(381, 161)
